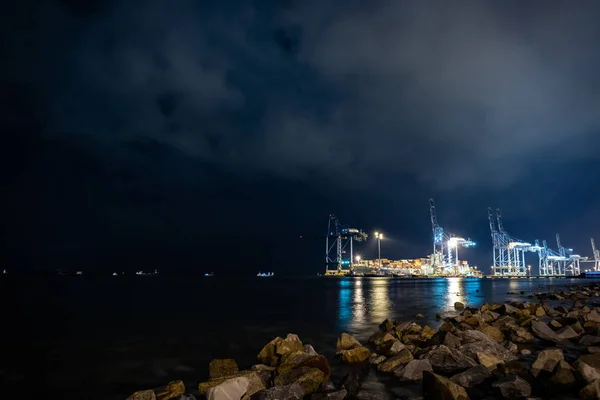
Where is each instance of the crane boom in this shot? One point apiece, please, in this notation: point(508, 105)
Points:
point(499, 218)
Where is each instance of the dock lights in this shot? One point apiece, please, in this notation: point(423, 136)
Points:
point(357, 258)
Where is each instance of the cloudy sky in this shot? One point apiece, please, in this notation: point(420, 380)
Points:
point(183, 131)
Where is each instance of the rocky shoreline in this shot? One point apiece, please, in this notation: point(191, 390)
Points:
point(517, 350)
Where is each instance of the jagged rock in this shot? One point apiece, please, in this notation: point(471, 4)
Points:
point(291, 360)
point(589, 340)
point(143, 395)
point(337, 395)
point(511, 347)
point(355, 355)
point(563, 378)
point(354, 380)
point(588, 366)
point(263, 367)
point(543, 331)
point(555, 324)
point(173, 389)
point(451, 341)
point(521, 335)
point(267, 355)
point(561, 309)
point(436, 387)
point(547, 360)
point(289, 344)
point(489, 316)
point(475, 341)
point(472, 377)
point(376, 359)
point(420, 316)
point(231, 389)
point(346, 342)
point(413, 371)
point(319, 362)
point(308, 378)
point(591, 391)
point(578, 328)
point(592, 317)
point(286, 392)
point(308, 349)
point(222, 367)
point(386, 325)
point(383, 343)
point(427, 332)
point(488, 360)
point(474, 320)
point(376, 337)
point(458, 304)
point(448, 361)
point(395, 348)
point(513, 387)
point(507, 309)
point(539, 312)
point(567, 333)
point(492, 332)
point(328, 386)
point(255, 382)
point(394, 362)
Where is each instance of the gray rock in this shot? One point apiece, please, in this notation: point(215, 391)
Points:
point(231, 389)
point(448, 361)
point(451, 341)
point(376, 359)
point(588, 366)
point(476, 342)
point(436, 387)
point(543, 331)
point(591, 391)
point(513, 387)
point(567, 333)
point(472, 377)
point(521, 335)
point(547, 360)
point(413, 371)
point(286, 392)
point(589, 340)
point(308, 349)
point(390, 364)
point(592, 317)
point(510, 346)
point(186, 396)
point(395, 348)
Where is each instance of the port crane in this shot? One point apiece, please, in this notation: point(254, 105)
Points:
point(595, 256)
point(508, 251)
point(445, 247)
point(339, 239)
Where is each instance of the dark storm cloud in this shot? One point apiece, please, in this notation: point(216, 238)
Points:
point(453, 94)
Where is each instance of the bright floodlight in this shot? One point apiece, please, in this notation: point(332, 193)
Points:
point(357, 258)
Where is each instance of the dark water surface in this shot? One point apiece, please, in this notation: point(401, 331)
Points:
point(103, 338)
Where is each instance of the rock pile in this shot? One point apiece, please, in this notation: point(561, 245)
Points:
point(511, 351)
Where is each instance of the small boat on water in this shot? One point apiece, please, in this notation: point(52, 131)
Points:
point(265, 274)
point(209, 274)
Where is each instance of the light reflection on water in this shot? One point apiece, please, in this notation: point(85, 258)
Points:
point(366, 302)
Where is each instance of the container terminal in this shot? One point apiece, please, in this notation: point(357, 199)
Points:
point(508, 255)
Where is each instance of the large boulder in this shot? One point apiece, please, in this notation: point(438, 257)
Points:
point(231, 389)
point(591, 391)
point(521, 335)
point(346, 342)
point(489, 316)
point(289, 344)
point(567, 333)
point(543, 331)
point(513, 387)
point(143, 395)
point(223, 367)
point(589, 340)
point(390, 364)
point(285, 392)
point(173, 389)
point(489, 360)
point(563, 378)
point(472, 377)
point(474, 342)
point(308, 378)
point(546, 361)
point(413, 371)
point(588, 366)
point(382, 344)
point(592, 317)
point(356, 355)
point(436, 387)
point(256, 382)
point(319, 362)
point(492, 332)
point(448, 361)
point(268, 355)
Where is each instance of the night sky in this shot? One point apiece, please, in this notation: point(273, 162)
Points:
point(210, 135)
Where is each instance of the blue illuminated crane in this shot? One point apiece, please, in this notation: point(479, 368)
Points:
point(339, 239)
point(508, 252)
